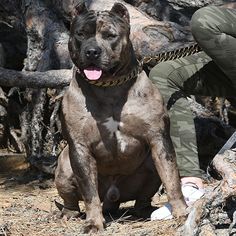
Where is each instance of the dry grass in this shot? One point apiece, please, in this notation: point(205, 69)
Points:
point(29, 209)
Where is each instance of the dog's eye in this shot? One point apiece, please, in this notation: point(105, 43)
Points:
point(109, 36)
point(79, 35)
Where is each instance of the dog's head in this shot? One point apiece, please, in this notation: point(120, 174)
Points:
point(99, 42)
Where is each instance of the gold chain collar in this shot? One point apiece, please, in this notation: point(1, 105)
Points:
point(122, 79)
point(172, 55)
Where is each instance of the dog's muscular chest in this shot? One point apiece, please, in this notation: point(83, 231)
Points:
point(115, 138)
point(109, 132)
point(117, 149)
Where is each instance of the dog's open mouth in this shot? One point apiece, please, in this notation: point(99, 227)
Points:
point(93, 73)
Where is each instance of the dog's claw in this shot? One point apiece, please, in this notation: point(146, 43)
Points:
point(67, 214)
point(93, 227)
point(180, 210)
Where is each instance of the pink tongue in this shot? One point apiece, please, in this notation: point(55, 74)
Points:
point(93, 73)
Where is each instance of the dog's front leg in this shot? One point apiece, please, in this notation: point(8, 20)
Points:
point(85, 170)
point(165, 161)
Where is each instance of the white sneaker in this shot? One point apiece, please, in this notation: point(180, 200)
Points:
point(162, 213)
point(191, 194)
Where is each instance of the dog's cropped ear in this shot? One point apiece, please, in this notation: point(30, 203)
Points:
point(80, 8)
point(121, 11)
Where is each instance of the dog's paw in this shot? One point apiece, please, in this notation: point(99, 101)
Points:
point(179, 209)
point(94, 226)
point(67, 213)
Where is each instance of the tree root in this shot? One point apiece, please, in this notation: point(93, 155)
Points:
point(212, 208)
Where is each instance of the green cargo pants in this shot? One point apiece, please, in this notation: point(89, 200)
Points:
point(208, 73)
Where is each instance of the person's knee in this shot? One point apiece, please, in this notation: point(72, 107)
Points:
point(161, 70)
point(204, 22)
point(168, 75)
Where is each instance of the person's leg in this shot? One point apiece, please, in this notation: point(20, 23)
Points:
point(214, 29)
point(171, 77)
point(198, 75)
point(176, 80)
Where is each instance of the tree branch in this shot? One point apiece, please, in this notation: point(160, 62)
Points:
point(23, 79)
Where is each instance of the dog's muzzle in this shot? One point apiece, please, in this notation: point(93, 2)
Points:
point(116, 82)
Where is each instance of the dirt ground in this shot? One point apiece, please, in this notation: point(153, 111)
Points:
point(27, 207)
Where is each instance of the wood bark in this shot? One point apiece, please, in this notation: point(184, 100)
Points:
point(219, 194)
point(28, 79)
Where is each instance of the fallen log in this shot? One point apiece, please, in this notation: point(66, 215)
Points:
point(22, 79)
point(224, 164)
point(149, 36)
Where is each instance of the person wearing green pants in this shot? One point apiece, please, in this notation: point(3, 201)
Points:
point(211, 72)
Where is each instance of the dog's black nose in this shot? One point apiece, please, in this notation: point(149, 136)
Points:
point(93, 53)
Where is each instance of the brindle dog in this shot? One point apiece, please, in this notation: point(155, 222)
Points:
point(115, 123)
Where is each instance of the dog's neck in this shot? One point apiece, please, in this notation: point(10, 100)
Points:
point(111, 81)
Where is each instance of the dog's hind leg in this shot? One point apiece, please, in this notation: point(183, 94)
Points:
point(110, 207)
point(70, 209)
point(143, 207)
point(67, 187)
point(147, 183)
